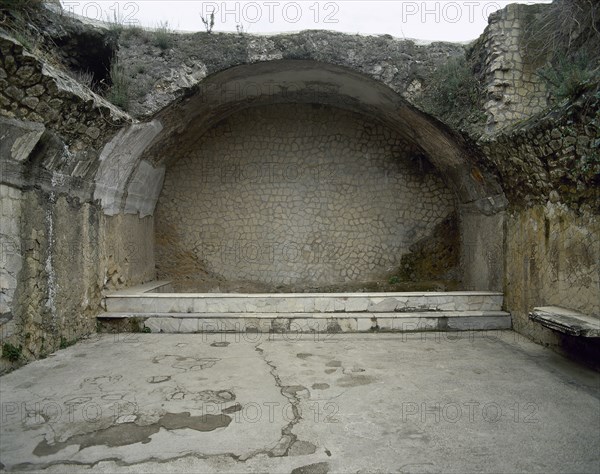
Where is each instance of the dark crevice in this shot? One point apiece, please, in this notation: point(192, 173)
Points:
point(288, 438)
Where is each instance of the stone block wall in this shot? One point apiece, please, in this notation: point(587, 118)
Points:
point(513, 90)
point(297, 194)
point(554, 156)
point(35, 91)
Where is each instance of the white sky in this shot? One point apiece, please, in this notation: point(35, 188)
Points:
point(447, 20)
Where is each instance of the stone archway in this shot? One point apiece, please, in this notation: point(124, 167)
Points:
point(276, 84)
point(143, 152)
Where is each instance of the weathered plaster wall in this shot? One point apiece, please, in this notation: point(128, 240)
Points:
point(58, 289)
point(552, 259)
point(59, 251)
point(69, 254)
point(10, 253)
point(549, 167)
point(482, 250)
point(127, 245)
point(297, 193)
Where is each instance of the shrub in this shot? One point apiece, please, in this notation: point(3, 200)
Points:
point(83, 77)
point(162, 36)
point(118, 93)
point(568, 77)
point(454, 92)
point(565, 36)
point(209, 22)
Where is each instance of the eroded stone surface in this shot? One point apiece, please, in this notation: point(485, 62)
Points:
point(293, 194)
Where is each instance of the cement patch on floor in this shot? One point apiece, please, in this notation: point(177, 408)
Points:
point(431, 402)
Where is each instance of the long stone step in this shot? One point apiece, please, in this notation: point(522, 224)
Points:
point(152, 307)
point(303, 303)
point(310, 322)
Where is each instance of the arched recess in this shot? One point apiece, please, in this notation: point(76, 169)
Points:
point(481, 199)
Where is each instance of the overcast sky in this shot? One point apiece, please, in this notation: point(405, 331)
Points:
point(447, 20)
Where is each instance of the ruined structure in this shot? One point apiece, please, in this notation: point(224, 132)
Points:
point(291, 161)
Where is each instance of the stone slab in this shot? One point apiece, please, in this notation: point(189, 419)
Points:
point(143, 302)
point(18, 138)
point(566, 321)
point(318, 323)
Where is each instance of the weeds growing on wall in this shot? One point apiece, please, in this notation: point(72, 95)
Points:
point(10, 352)
point(163, 36)
point(119, 91)
point(209, 22)
point(15, 17)
point(65, 343)
point(566, 35)
point(19, 4)
point(454, 94)
point(569, 76)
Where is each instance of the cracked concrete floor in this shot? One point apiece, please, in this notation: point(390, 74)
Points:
point(459, 402)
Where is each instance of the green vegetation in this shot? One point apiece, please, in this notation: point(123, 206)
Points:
point(163, 36)
point(26, 40)
point(209, 23)
point(454, 94)
point(83, 77)
point(137, 326)
point(64, 343)
point(566, 39)
point(568, 77)
point(10, 352)
point(119, 92)
point(125, 31)
point(19, 4)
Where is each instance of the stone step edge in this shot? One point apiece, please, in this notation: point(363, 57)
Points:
point(131, 294)
point(340, 315)
point(256, 312)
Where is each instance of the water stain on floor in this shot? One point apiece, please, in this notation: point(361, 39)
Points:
point(296, 391)
point(158, 379)
point(185, 363)
point(302, 448)
point(130, 433)
point(220, 344)
point(317, 468)
point(354, 380)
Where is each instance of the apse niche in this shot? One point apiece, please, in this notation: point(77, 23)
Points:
point(305, 197)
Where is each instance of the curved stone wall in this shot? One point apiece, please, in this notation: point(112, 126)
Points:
point(288, 194)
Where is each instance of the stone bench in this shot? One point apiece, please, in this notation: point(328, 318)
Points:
point(566, 321)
